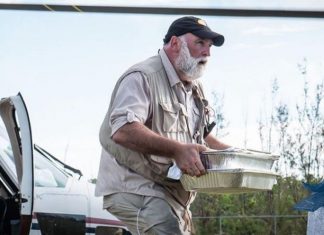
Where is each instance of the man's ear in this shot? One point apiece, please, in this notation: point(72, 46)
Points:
point(175, 43)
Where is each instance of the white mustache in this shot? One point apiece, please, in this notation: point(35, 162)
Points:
point(204, 60)
point(191, 66)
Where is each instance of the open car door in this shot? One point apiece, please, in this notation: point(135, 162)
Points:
point(16, 120)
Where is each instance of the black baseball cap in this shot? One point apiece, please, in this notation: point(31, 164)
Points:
point(196, 26)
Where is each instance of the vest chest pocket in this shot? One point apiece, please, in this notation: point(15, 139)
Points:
point(174, 117)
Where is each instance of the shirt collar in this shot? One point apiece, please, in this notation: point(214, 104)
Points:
point(170, 71)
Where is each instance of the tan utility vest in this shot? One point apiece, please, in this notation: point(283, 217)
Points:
point(169, 119)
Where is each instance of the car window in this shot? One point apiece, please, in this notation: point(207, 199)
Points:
point(46, 174)
point(6, 155)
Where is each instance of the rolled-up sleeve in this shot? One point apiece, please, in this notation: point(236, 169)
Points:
point(131, 102)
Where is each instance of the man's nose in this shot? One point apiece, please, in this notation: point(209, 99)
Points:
point(206, 51)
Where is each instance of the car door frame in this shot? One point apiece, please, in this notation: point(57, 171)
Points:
point(16, 119)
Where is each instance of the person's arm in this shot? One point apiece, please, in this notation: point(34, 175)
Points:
point(214, 143)
point(139, 138)
point(130, 110)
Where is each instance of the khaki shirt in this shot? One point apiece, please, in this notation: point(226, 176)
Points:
point(132, 103)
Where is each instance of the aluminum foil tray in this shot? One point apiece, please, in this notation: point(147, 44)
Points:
point(246, 159)
point(230, 181)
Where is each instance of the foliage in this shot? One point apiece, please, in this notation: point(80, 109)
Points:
point(93, 180)
point(221, 122)
point(252, 213)
point(297, 134)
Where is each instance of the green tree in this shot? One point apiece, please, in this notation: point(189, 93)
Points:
point(297, 134)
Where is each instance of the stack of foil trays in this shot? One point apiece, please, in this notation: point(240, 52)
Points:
point(237, 171)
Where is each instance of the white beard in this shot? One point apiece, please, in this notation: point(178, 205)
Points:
point(189, 65)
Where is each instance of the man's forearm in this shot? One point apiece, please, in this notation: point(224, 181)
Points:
point(214, 143)
point(139, 138)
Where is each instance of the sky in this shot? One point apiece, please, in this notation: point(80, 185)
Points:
point(66, 64)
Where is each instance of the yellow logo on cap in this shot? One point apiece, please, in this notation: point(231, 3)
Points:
point(201, 22)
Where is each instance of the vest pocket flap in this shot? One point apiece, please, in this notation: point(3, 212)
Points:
point(173, 118)
point(168, 107)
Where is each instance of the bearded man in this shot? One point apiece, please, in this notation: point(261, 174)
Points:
point(155, 128)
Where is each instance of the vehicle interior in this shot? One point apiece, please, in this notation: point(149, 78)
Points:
point(48, 173)
point(9, 193)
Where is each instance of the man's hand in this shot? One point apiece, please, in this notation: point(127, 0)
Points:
point(188, 159)
point(139, 138)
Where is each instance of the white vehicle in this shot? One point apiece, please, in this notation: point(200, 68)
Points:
point(38, 193)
